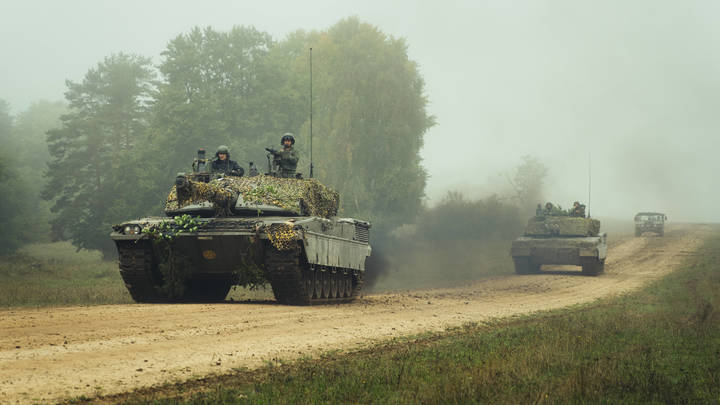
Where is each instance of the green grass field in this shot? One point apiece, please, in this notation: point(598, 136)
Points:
point(658, 345)
point(55, 274)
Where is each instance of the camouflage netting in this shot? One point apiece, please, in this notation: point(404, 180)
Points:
point(562, 226)
point(289, 194)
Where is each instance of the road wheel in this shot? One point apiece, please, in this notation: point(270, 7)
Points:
point(347, 284)
point(325, 284)
point(333, 285)
point(317, 280)
point(310, 275)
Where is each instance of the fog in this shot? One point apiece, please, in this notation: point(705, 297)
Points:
point(630, 90)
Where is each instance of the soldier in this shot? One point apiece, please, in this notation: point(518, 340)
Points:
point(286, 158)
point(549, 209)
point(539, 210)
point(223, 164)
point(577, 210)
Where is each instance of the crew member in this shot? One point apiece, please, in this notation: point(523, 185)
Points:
point(287, 158)
point(223, 164)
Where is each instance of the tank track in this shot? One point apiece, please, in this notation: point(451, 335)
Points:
point(295, 282)
point(136, 270)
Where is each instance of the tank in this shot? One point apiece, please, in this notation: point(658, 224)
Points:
point(650, 222)
point(221, 231)
point(560, 240)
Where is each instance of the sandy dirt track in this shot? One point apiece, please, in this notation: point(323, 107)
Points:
point(55, 353)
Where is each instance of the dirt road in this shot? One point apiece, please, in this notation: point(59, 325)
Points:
point(54, 353)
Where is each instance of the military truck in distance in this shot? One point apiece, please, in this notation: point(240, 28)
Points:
point(560, 240)
point(261, 229)
point(650, 222)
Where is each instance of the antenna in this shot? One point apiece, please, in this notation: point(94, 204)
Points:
point(589, 181)
point(311, 117)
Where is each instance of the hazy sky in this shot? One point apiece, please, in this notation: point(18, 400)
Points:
point(633, 84)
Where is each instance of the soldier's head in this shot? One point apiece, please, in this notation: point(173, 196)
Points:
point(287, 140)
point(576, 204)
point(222, 152)
point(548, 206)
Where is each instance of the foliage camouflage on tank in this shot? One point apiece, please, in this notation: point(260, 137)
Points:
point(306, 197)
point(562, 226)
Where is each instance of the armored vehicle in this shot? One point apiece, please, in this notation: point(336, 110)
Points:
point(560, 240)
point(220, 231)
point(650, 222)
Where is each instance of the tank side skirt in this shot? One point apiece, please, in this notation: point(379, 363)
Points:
point(332, 251)
point(292, 278)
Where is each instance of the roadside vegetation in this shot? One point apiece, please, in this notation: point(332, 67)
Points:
point(46, 274)
point(658, 345)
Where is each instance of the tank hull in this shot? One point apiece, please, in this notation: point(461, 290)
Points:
point(529, 253)
point(306, 260)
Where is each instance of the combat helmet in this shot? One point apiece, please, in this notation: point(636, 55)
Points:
point(223, 149)
point(289, 136)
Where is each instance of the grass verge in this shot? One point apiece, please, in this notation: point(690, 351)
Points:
point(50, 274)
point(658, 345)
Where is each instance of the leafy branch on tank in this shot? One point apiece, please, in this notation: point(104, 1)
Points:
point(250, 275)
point(173, 265)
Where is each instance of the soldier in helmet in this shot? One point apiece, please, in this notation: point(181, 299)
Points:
point(549, 209)
point(577, 210)
point(223, 164)
point(286, 158)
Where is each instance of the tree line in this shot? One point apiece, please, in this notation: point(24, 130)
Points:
point(129, 126)
point(110, 152)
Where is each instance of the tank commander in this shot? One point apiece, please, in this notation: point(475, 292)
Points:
point(549, 209)
point(577, 210)
point(223, 164)
point(286, 159)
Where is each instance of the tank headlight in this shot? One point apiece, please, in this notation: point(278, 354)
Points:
point(132, 229)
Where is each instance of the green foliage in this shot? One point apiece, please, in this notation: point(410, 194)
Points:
point(6, 121)
point(243, 89)
point(457, 218)
point(370, 118)
point(126, 135)
point(14, 193)
point(660, 345)
point(167, 231)
point(527, 182)
point(28, 144)
point(219, 88)
point(95, 178)
point(173, 264)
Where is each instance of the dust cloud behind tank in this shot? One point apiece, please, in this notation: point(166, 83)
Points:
point(224, 230)
point(560, 240)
